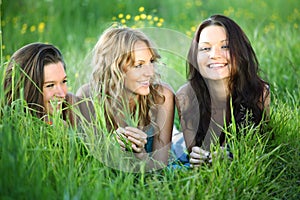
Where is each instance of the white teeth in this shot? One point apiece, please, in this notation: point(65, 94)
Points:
point(145, 82)
point(216, 65)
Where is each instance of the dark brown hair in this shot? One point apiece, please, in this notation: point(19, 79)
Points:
point(246, 88)
point(24, 75)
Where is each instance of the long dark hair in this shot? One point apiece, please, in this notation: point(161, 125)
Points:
point(245, 87)
point(25, 72)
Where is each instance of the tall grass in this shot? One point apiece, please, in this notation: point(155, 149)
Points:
point(52, 162)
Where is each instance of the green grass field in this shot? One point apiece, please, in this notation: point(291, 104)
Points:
point(38, 162)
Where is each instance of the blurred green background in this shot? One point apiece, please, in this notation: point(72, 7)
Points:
point(75, 25)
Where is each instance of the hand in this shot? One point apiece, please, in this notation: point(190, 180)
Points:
point(133, 135)
point(198, 156)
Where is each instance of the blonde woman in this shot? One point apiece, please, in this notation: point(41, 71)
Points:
point(125, 80)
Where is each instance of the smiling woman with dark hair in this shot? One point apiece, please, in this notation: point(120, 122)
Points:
point(36, 73)
point(222, 66)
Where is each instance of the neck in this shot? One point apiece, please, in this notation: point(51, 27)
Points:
point(130, 99)
point(218, 90)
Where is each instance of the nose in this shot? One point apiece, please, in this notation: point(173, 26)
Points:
point(149, 69)
point(215, 52)
point(61, 91)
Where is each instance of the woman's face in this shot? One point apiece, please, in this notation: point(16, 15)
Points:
point(138, 76)
point(213, 53)
point(54, 87)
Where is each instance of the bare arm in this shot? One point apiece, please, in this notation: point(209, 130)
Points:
point(267, 101)
point(164, 120)
point(188, 111)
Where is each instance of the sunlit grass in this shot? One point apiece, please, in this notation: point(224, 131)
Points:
point(38, 161)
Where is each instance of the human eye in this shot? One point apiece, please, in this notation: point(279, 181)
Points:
point(225, 47)
point(203, 49)
point(138, 66)
point(50, 85)
point(65, 81)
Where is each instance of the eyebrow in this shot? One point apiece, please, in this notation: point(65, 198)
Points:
point(226, 40)
point(53, 81)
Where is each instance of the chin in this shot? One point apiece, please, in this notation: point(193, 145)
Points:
point(143, 93)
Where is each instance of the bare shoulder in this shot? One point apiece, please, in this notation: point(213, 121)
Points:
point(84, 91)
point(185, 95)
point(184, 89)
point(167, 90)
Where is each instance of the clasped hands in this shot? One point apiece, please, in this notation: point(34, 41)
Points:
point(132, 136)
point(199, 156)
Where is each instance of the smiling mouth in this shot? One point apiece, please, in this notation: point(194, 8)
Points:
point(56, 104)
point(145, 83)
point(217, 66)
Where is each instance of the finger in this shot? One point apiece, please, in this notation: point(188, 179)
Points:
point(120, 130)
point(200, 151)
point(137, 142)
point(132, 130)
point(201, 155)
point(140, 136)
point(194, 165)
point(121, 143)
point(195, 155)
point(196, 161)
point(123, 149)
point(136, 149)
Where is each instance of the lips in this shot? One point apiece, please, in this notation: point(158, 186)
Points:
point(144, 83)
point(217, 65)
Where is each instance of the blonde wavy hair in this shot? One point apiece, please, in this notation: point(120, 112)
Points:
point(111, 56)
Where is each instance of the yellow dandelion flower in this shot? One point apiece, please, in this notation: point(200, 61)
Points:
point(32, 28)
point(41, 27)
point(137, 18)
point(76, 75)
point(198, 3)
point(159, 24)
point(15, 20)
point(229, 11)
point(189, 33)
point(24, 29)
point(7, 57)
point(120, 15)
point(149, 17)
point(114, 18)
point(143, 16)
point(155, 19)
point(123, 21)
point(151, 22)
point(141, 9)
point(161, 20)
point(3, 46)
point(128, 17)
point(133, 26)
point(193, 28)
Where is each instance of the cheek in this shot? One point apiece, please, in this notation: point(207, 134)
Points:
point(201, 61)
point(65, 88)
point(47, 95)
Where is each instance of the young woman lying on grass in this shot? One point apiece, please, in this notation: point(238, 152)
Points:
point(222, 68)
point(139, 109)
point(36, 73)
